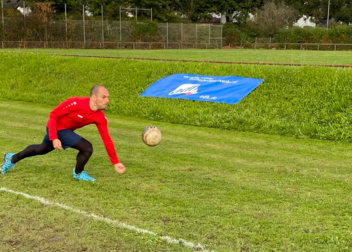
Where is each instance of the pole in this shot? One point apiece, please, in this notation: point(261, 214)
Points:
point(102, 24)
point(255, 45)
point(151, 14)
point(196, 35)
point(120, 21)
point(2, 14)
point(136, 14)
point(84, 29)
point(24, 14)
point(167, 35)
point(221, 37)
point(3, 23)
point(181, 32)
point(209, 34)
point(66, 21)
point(327, 18)
point(46, 29)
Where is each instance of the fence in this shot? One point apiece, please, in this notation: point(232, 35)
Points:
point(292, 46)
point(38, 29)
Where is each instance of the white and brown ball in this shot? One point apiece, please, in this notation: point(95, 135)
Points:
point(151, 136)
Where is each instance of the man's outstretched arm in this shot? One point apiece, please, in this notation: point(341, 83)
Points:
point(110, 147)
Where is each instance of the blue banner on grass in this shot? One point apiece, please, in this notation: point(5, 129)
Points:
point(223, 89)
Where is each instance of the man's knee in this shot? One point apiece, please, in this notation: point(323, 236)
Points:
point(84, 146)
point(89, 148)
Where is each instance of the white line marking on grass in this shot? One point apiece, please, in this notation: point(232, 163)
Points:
point(169, 239)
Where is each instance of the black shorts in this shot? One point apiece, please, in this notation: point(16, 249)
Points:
point(67, 137)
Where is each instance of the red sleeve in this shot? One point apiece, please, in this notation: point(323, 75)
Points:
point(108, 143)
point(62, 109)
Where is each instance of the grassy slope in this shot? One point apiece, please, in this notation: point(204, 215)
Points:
point(248, 55)
point(227, 190)
point(305, 102)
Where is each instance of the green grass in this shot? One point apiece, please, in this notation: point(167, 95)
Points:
point(245, 55)
point(227, 190)
point(306, 102)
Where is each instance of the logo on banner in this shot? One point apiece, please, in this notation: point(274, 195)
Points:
point(186, 89)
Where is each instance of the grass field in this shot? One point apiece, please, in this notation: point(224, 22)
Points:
point(245, 55)
point(224, 190)
point(201, 189)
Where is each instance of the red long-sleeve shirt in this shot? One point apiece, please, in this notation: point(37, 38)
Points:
point(74, 113)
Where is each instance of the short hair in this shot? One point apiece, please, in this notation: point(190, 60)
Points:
point(95, 90)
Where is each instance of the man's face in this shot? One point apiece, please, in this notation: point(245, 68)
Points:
point(102, 99)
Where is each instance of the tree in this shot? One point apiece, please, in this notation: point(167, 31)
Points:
point(271, 17)
point(201, 9)
point(241, 7)
point(340, 10)
point(163, 10)
point(196, 10)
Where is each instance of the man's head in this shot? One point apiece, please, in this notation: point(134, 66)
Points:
point(99, 98)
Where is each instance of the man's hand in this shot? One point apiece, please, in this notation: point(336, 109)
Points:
point(120, 168)
point(57, 144)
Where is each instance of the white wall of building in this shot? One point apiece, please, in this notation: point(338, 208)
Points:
point(305, 21)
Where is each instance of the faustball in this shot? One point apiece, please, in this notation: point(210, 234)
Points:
point(151, 136)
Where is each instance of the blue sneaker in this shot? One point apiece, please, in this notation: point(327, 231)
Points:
point(6, 164)
point(82, 176)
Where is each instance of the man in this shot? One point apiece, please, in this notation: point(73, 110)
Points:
point(68, 116)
